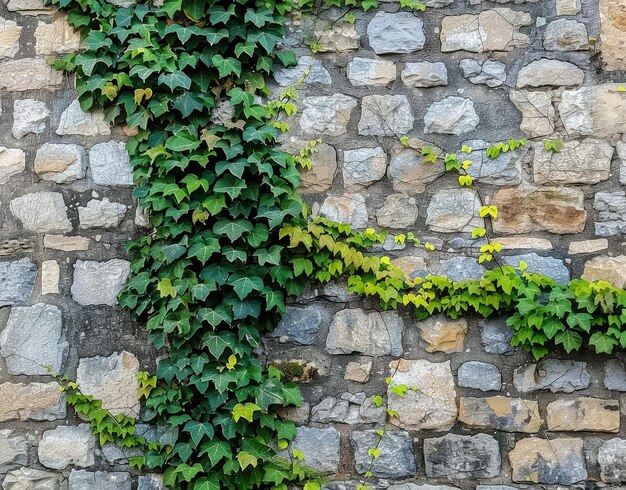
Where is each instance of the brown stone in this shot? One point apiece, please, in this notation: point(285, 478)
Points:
point(56, 38)
point(411, 265)
point(9, 38)
point(605, 268)
point(613, 34)
point(583, 414)
point(500, 413)
point(527, 209)
point(319, 178)
point(440, 334)
point(409, 172)
point(33, 401)
point(358, 371)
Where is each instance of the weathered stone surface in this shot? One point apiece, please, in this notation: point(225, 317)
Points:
point(299, 415)
point(583, 414)
point(396, 458)
point(496, 336)
point(327, 114)
point(588, 246)
point(397, 33)
point(462, 457)
point(399, 211)
point(13, 449)
point(29, 74)
point(65, 243)
point(317, 74)
point(339, 38)
point(29, 7)
point(530, 243)
point(550, 72)
point(151, 481)
point(440, 334)
point(409, 173)
point(101, 214)
point(611, 207)
point(425, 74)
point(566, 35)
point(495, 29)
point(32, 479)
point(88, 480)
point(363, 166)
point(451, 115)
point(300, 324)
point(527, 209)
point(12, 162)
point(548, 266)
point(460, 268)
point(366, 71)
point(555, 461)
point(142, 215)
point(110, 164)
point(615, 375)
point(567, 7)
point(349, 209)
point(41, 212)
point(591, 111)
point(67, 445)
point(9, 38)
point(454, 210)
point(385, 115)
point(75, 121)
point(98, 283)
point(613, 34)
point(491, 73)
point(113, 380)
point(432, 404)
point(351, 409)
point(56, 38)
point(605, 268)
point(320, 448)
point(29, 116)
point(612, 460)
point(319, 178)
point(620, 149)
point(50, 273)
point(555, 375)
point(358, 372)
point(538, 114)
point(413, 486)
point(480, 375)
point(373, 334)
point(505, 169)
point(32, 401)
point(33, 342)
point(411, 265)
point(60, 163)
point(500, 413)
point(17, 278)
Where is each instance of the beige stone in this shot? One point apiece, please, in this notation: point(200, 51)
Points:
point(29, 74)
point(440, 334)
point(411, 265)
point(530, 243)
point(567, 7)
point(50, 277)
point(65, 243)
point(409, 173)
point(358, 371)
point(319, 178)
point(32, 401)
point(613, 34)
point(9, 38)
point(588, 246)
point(367, 72)
point(430, 403)
point(12, 162)
point(538, 114)
point(29, 7)
point(527, 209)
point(500, 413)
point(56, 38)
point(605, 268)
point(550, 72)
point(340, 38)
point(583, 414)
point(595, 110)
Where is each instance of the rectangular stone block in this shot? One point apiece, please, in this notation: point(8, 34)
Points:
point(584, 414)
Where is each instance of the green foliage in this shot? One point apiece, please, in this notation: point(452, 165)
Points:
point(553, 145)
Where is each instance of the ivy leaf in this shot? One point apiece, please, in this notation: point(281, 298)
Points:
point(203, 251)
point(216, 450)
point(243, 286)
point(226, 66)
point(217, 344)
point(215, 316)
point(198, 430)
point(231, 185)
point(603, 343)
point(569, 339)
point(220, 15)
point(182, 141)
point(166, 289)
point(246, 459)
point(188, 102)
point(580, 320)
point(232, 229)
point(175, 80)
point(258, 17)
point(265, 39)
point(245, 411)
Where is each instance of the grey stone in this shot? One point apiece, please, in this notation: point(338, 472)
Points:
point(611, 207)
point(548, 266)
point(100, 480)
point(395, 33)
point(17, 279)
point(567, 7)
point(300, 324)
point(480, 375)
point(110, 164)
point(67, 445)
point(566, 35)
point(33, 341)
point(385, 115)
point(396, 458)
point(98, 283)
point(505, 169)
point(363, 166)
point(451, 115)
point(320, 177)
point(373, 334)
point(620, 149)
point(425, 74)
point(545, 71)
point(29, 116)
point(496, 336)
point(150, 481)
point(409, 173)
point(9, 38)
point(490, 73)
point(33, 479)
point(454, 210)
point(12, 162)
point(349, 209)
point(320, 448)
point(308, 69)
point(500, 413)
point(367, 72)
point(29, 7)
point(556, 375)
point(590, 111)
point(327, 114)
point(462, 457)
point(538, 114)
point(354, 411)
point(461, 268)
point(60, 163)
point(413, 486)
point(29, 74)
point(13, 450)
point(615, 375)
point(101, 214)
point(75, 121)
point(337, 38)
point(399, 211)
point(41, 212)
point(612, 460)
point(32, 401)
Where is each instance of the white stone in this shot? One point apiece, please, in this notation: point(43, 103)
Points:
point(594, 110)
point(425, 74)
point(29, 74)
point(29, 7)
point(66, 243)
point(385, 115)
point(538, 114)
point(363, 166)
point(620, 149)
point(110, 164)
point(67, 445)
point(451, 115)
point(41, 212)
point(60, 163)
point(101, 214)
point(327, 114)
point(366, 72)
point(566, 35)
point(50, 273)
point(33, 479)
point(309, 70)
point(397, 33)
point(99, 283)
point(29, 116)
point(12, 162)
point(399, 211)
point(9, 38)
point(550, 72)
point(567, 7)
point(56, 38)
point(75, 121)
point(349, 209)
point(453, 211)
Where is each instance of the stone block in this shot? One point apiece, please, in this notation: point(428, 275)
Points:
point(425, 74)
point(50, 273)
point(65, 243)
point(385, 115)
point(451, 115)
point(410, 174)
point(491, 73)
point(67, 445)
point(32, 401)
point(29, 117)
point(13, 449)
point(566, 35)
point(583, 414)
point(101, 214)
point(327, 114)
point(538, 114)
point(105, 480)
point(74, 121)
point(479, 375)
point(99, 283)
point(56, 38)
point(500, 413)
point(396, 458)
point(348, 208)
point(33, 479)
point(60, 163)
point(363, 166)
point(29, 74)
point(454, 210)
point(110, 164)
point(17, 279)
point(604, 268)
point(9, 38)
point(399, 211)
point(548, 266)
point(12, 162)
point(611, 207)
point(317, 74)
point(370, 72)
point(320, 448)
point(590, 111)
point(612, 460)
point(547, 72)
point(440, 334)
point(555, 375)
point(462, 457)
point(41, 212)
point(613, 34)
point(301, 324)
point(397, 33)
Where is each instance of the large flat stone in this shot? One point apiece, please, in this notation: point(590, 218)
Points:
point(505, 169)
point(320, 448)
point(42, 212)
point(593, 111)
point(611, 207)
point(327, 114)
point(479, 375)
point(538, 114)
point(60, 163)
point(33, 401)
point(441, 334)
point(29, 116)
point(397, 33)
point(9, 38)
point(557, 376)
point(101, 214)
point(425, 74)
point(17, 279)
point(613, 34)
point(409, 173)
point(605, 268)
point(74, 121)
point(462, 457)
point(454, 210)
point(396, 458)
point(110, 164)
point(89, 480)
point(451, 115)
point(33, 479)
point(500, 413)
point(12, 162)
point(547, 72)
point(311, 71)
point(301, 324)
point(56, 38)
point(13, 449)
point(584, 414)
point(612, 460)
point(399, 211)
point(348, 208)
point(385, 115)
point(548, 266)
point(566, 35)
point(29, 74)
point(370, 72)
point(67, 445)
point(363, 166)
point(99, 283)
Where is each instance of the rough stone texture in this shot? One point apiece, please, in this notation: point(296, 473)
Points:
point(452, 115)
point(395, 33)
point(516, 243)
point(583, 414)
point(367, 72)
point(385, 115)
point(500, 413)
point(591, 111)
point(454, 210)
point(60, 163)
point(431, 401)
point(113, 380)
point(548, 266)
point(550, 72)
point(479, 375)
point(98, 283)
point(363, 166)
point(460, 268)
point(613, 34)
point(110, 164)
point(319, 446)
point(462, 457)
point(410, 174)
point(76, 122)
point(621, 158)
point(319, 178)
point(33, 401)
point(101, 214)
point(41, 212)
point(588, 246)
point(505, 169)
point(538, 114)
point(615, 375)
point(604, 268)
point(490, 73)
point(496, 29)
point(17, 278)
point(317, 74)
point(350, 409)
point(440, 334)
point(611, 207)
point(567, 7)
point(612, 460)
point(412, 266)
point(555, 461)
point(33, 479)
point(327, 114)
point(527, 209)
point(552, 374)
point(338, 38)
point(396, 458)
point(56, 38)
point(566, 35)
point(150, 482)
point(12, 162)
point(65, 243)
point(399, 211)
point(358, 372)
point(33, 341)
point(425, 74)
point(13, 449)
point(29, 116)
point(88, 480)
point(29, 74)
point(374, 334)
point(496, 336)
point(300, 325)
point(67, 445)
point(349, 209)
point(9, 38)
point(50, 273)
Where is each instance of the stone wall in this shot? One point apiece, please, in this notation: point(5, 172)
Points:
point(462, 73)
